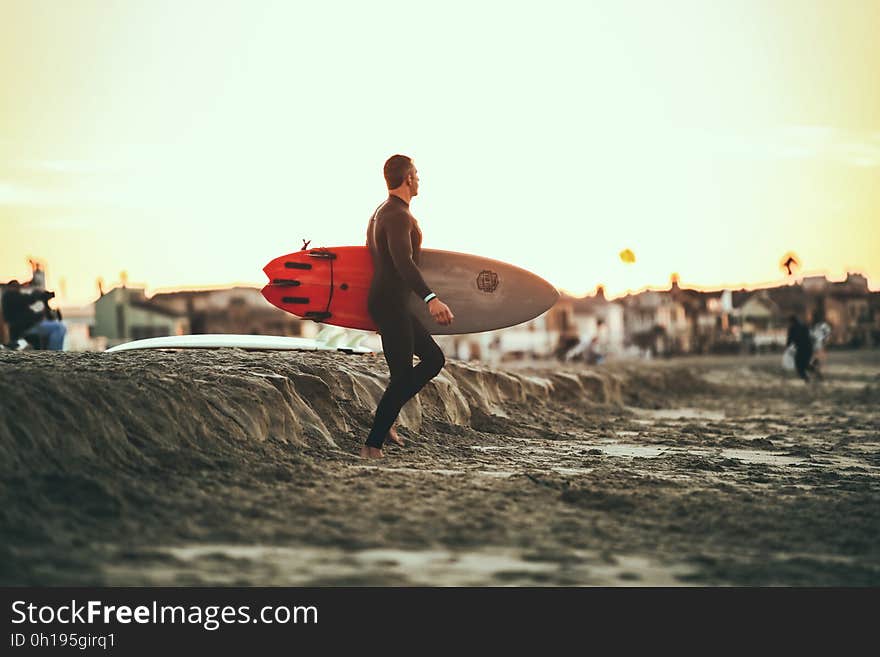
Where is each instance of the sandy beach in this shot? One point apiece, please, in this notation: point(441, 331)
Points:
point(239, 468)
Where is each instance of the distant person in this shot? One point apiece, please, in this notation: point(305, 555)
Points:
point(799, 336)
point(566, 346)
point(17, 312)
point(820, 333)
point(29, 316)
point(594, 354)
point(49, 330)
point(495, 351)
point(571, 348)
point(4, 331)
point(395, 241)
point(598, 345)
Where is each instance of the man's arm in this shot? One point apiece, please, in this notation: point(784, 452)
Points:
point(397, 227)
point(400, 246)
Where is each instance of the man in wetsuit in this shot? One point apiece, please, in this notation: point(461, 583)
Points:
point(799, 336)
point(395, 241)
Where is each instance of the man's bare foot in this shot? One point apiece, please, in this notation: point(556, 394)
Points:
point(395, 438)
point(368, 452)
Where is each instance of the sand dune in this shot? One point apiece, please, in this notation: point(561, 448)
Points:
point(232, 467)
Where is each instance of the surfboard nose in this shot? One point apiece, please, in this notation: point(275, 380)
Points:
point(545, 294)
point(552, 292)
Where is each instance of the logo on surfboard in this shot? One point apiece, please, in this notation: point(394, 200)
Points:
point(487, 281)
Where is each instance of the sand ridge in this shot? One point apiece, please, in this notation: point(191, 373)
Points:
point(233, 467)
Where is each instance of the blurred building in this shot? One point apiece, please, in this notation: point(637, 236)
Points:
point(593, 320)
point(571, 322)
point(686, 321)
point(124, 314)
point(761, 316)
point(851, 310)
point(238, 310)
point(653, 322)
point(80, 322)
point(4, 327)
point(657, 322)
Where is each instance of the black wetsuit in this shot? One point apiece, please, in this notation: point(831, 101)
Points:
point(799, 336)
point(395, 242)
point(17, 313)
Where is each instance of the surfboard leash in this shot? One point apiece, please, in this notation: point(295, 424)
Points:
point(316, 315)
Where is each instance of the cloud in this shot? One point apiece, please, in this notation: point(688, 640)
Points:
point(860, 153)
point(45, 183)
point(31, 222)
point(13, 194)
point(71, 167)
point(801, 142)
point(60, 184)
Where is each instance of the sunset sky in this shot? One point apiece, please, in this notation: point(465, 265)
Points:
point(189, 143)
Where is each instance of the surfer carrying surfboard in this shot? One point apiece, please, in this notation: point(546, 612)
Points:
point(395, 240)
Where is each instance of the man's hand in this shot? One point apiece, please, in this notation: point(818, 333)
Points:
point(440, 312)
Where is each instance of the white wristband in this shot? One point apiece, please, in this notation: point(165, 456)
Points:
point(430, 296)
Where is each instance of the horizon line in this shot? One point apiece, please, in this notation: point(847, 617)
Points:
point(741, 286)
point(736, 287)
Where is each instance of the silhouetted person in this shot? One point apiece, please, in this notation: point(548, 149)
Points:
point(395, 241)
point(29, 316)
point(566, 346)
point(598, 345)
point(594, 355)
point(50, 331)
point(799, 336)
point(17, 312)
point(820, 333)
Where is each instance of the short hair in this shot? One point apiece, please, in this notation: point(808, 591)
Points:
point(396, 169)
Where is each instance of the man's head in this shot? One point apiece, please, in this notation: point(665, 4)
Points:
point(400, 172)
point(13, 285)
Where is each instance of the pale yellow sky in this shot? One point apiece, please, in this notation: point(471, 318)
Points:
point(188, 143)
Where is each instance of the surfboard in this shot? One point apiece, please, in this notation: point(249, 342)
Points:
point(331, 284)
point(251, 342)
